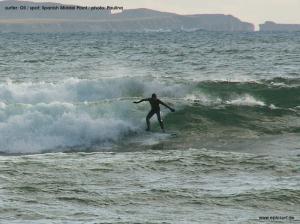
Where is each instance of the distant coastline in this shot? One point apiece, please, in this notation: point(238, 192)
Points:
point(272, 26)
point(16, 16)
point(25, 16)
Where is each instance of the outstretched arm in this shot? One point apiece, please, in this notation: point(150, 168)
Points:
point(170, 108)
point(140, 101)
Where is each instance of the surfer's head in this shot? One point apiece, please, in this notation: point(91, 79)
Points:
point(154, 96)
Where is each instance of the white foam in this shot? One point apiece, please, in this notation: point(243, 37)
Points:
point(273, 107)
point(245, 100)
point(2, 105)
point(52, 116)
point(203, 99)
point(79, 90)
point(34, 128)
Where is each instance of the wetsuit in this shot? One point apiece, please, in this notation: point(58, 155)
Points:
point(155, 109)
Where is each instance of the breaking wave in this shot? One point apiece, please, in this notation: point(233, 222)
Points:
point(35, 117)
point(38, 117)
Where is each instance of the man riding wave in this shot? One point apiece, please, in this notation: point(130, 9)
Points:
point(155, 109)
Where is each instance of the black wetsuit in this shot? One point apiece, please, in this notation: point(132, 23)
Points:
point(155, 109)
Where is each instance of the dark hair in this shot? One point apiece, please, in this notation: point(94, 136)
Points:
point(153, 95)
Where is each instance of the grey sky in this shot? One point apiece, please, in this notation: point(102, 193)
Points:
point(255, 11)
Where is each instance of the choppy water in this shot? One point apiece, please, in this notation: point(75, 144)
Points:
point(235, 156)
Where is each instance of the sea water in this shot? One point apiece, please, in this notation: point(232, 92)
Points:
point(74, 147)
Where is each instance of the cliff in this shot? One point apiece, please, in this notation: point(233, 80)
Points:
point(38, 20)
point(271, 26)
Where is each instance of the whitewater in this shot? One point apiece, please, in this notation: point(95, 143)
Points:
point(73, 146)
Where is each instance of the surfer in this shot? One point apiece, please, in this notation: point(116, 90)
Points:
point(155, 109)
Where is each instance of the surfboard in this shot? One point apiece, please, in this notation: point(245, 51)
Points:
point(166, 133)
point(152, 137)
point(171, 133)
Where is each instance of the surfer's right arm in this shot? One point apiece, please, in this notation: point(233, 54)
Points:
point(142, 100)
point(170, 108)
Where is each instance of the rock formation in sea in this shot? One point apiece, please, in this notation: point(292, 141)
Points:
point(271, 26)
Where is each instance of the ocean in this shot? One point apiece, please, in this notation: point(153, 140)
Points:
point(73, 146)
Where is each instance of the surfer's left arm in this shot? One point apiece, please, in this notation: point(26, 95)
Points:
point(170, 108)
point(142, 100)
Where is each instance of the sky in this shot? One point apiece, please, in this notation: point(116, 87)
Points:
point(254, 11)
